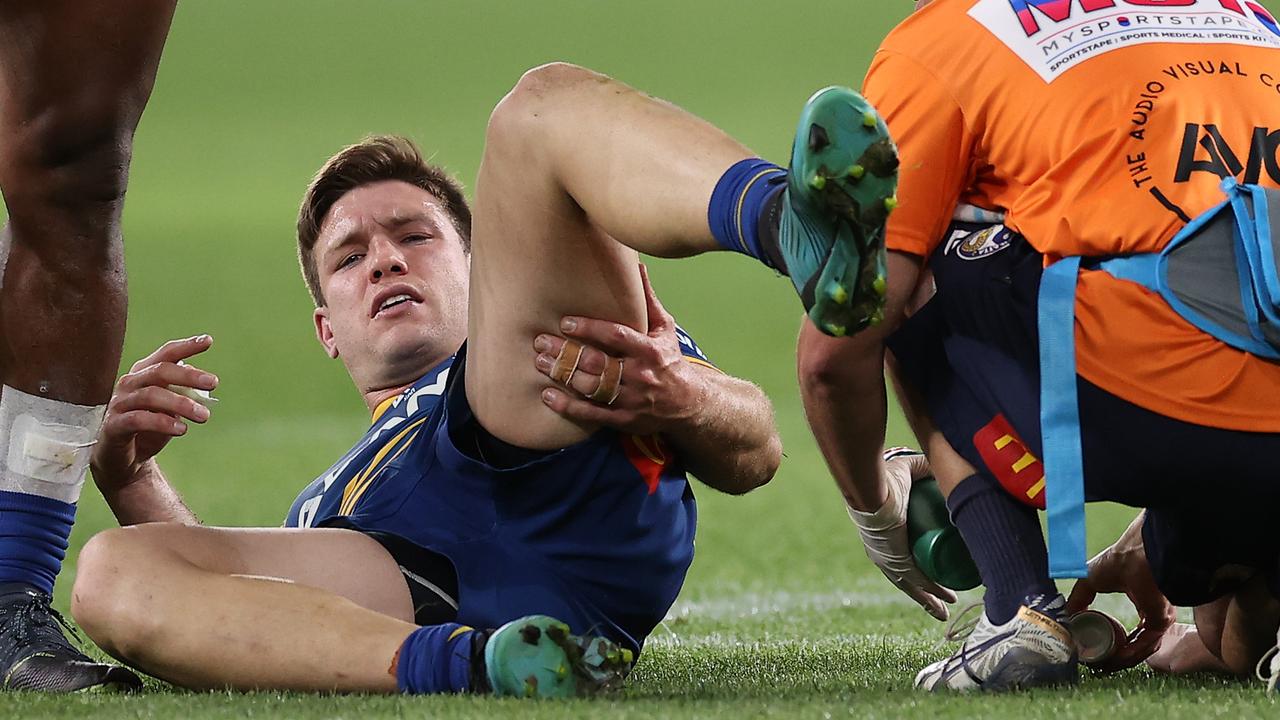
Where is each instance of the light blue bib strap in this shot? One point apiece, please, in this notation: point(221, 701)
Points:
point(1142, 269)
point(1060, 420)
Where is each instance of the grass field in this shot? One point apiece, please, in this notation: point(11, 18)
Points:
point(782, 614)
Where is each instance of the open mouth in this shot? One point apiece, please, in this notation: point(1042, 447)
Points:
point(391, 302)
point(394, 300)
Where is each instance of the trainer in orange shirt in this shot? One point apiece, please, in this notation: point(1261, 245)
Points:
point(1096, 128)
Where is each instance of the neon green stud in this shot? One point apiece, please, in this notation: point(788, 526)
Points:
point(530, 687)
point(627, 656)
point(838, 294)
point(890, 203)
point(869, 119)
point(562, 672)
point(857, 171)
point(817, 182)
point(879, 286)
point(835, 330)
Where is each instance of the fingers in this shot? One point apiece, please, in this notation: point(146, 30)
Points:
point(154, 399)
point(586, 411)
point(931, 604)
point(1082, 596)
point(592, 360)
point(150, 388)
point(602, 385)
point(135, 422)
point(176, 350)
point(613, 338)
point(1142, 644)
point(944, 594)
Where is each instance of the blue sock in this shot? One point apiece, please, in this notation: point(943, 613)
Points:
point(1004, 538)
point(740, 198)
point(436, 659)
point(33, 538)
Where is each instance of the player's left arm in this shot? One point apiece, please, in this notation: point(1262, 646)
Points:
point(721, 426)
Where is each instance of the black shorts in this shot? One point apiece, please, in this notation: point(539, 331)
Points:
point(430, 576)
point(973, 354)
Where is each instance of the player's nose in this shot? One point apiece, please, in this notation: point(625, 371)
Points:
point(387, 258)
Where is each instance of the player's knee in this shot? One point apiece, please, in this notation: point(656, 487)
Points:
point(527, 108)
point(104, 598)
point(72, 157)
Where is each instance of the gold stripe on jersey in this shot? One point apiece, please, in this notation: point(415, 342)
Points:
point(383, 406)
point(704, 363)
point(359, 491)
point(347, 503)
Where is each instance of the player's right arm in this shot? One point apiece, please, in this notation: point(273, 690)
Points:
point(146, 412)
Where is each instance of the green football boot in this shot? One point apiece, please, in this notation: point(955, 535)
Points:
point(537, 656)
point(840, 190)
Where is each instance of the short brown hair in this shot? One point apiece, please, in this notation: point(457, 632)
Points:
point(374, 159)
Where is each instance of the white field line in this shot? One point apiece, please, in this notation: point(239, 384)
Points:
point(756, 606)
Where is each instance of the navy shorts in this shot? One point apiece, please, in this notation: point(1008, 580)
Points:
point(972, 352)
point(598, 534)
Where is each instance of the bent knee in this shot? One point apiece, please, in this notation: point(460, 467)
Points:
point(73, 156)
point(525, 107)
point(109, 597)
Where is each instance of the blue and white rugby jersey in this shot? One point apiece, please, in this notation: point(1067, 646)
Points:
point(396, 424)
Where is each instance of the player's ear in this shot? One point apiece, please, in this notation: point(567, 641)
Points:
point(324, 331)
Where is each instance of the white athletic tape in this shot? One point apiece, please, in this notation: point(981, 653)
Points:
point(201, 396)
point(45, 444)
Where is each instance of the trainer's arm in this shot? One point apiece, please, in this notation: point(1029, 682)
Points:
point(842, 383)
point(144, 414)
point(721, 426)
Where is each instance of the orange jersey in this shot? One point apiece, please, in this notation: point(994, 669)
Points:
point(1100, 127)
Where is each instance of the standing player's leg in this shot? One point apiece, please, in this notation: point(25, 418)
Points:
point(74, 78)
point(580, 172)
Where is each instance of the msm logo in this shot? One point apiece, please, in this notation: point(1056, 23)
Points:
point(1029, 12)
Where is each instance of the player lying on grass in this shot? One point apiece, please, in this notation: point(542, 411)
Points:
point(75, 76)
point(492, 493)
point(1159, 412)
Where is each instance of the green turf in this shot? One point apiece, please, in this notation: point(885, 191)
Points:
point(782, 614)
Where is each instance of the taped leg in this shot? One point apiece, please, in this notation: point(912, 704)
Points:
point(74, 78)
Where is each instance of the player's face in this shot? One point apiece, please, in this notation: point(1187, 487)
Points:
point(394, 278)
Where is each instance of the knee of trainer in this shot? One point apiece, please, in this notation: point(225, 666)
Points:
point(525, 110)
point(106, 600)
point(68, 158)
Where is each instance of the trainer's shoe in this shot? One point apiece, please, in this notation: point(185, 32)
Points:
point(840, 190)
point(1268, 668)
point(537, 656)
point(1030, 650)
point(35, 655)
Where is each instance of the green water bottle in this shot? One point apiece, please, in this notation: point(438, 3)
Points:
point(936, 544)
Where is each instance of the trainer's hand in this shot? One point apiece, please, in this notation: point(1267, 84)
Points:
point(1123, 568)
point(660, 391)
point(884, 534)
point(144, 413)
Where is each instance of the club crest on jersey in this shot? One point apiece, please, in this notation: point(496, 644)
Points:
point(978, 244)
point(1053, 36)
